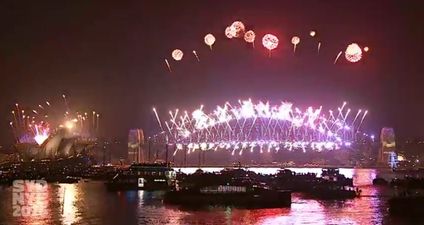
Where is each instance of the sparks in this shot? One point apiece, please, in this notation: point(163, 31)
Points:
point(250, 124)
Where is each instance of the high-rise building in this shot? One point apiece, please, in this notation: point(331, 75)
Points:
point(135, 142)
point(387, 154)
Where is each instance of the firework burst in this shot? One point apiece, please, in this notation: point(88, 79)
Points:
point(36, 126)
point(260, 125)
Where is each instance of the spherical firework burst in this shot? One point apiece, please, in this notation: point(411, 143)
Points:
point(210, 40)
point(229, 33)
point(353, 53)
point(270, 41)
point(237, 29)
point(295, 41)
point(312, 33)
point(177, 54)
point(249, 36)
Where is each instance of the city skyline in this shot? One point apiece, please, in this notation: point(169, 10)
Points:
point(111, 59)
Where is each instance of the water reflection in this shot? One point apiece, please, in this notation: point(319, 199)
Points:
point(362, 177)
point(68, 197)
point(365, 210)
point(37, 203)
point(150, 209)
point(90, 203)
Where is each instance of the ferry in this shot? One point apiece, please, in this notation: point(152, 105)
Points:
point(230, 195)
point(333, 175)
point(144, 176)
point(328, 191)
point(379, 181)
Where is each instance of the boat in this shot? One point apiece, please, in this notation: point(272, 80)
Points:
point(285, 173)
point(333, 175)
point(69, 180)
point(144, 176)
point(287, 180)
point(100, 172)
point(62, 179)
point(378, 181)
point(333, 192)
point(229, 187)
point(230, 195)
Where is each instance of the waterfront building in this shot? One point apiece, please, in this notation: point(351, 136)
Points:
point(135, 142)
point(387, 152)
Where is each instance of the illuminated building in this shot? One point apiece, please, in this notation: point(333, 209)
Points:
point(61, 143)
point(135, 140)
point(387, 155)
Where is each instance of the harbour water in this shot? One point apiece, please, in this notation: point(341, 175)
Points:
point(88, 202)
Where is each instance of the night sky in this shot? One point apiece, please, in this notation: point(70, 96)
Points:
point(110, 58)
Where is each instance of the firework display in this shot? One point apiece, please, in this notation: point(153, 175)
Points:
point(210, 40)
point(229, 33)
point(295, 41)
point(177, 54)
point(270, 42)
point(32, 126)
point(237, 30)
point(260, 125)
point(249, 36)
point(366, 49)
point(263, 127)
point(353, 53)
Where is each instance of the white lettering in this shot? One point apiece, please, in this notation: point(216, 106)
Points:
point(26, 211)
point(18, 198)
point(18, 186)
point(17, 210)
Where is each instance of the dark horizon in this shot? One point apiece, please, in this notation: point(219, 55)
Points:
point(110, 58)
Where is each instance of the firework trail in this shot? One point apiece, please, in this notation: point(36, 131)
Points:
point(338, 56)
point(319, 47)
point(167, 64)
point(38, 127)
point(195, 54)
point(157, 118)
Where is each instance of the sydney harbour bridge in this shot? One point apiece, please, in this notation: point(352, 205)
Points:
point(254, 132)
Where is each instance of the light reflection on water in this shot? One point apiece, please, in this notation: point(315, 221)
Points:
point(69, 194)
point(90, 203)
